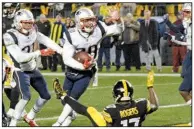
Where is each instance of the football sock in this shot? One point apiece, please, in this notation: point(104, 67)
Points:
point(10, 112)
point(66, 111)
point(69, 119)
point(24, 113)
point(36, 108)
point(18, 111)
point(189, 102)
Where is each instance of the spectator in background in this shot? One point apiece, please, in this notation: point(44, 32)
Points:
point(127, 8)
point(117, 41)
point(149, 40)
point(57, 30)
point(178, 51)
point(67, 22)
point(131, 42)
point(165, 48)
point(72, 24)
point(44, 27)
point(105, 49)
point(59, 8)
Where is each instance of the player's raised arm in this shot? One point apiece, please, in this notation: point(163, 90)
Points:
point(118, 23)
point(48, 42)
point(16, 52)
point(180, 42)
point(153, 99)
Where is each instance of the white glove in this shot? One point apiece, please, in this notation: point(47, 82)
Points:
point(173, 38)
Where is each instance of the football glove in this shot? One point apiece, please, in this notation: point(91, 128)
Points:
point(47, 52)
point(150, 79)
point(87, 64)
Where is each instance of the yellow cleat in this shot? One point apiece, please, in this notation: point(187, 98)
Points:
point(58, 89)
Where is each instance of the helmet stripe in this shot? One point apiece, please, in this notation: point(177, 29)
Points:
point(125, 94)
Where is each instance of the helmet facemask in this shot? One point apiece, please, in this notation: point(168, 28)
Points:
point(88, 24)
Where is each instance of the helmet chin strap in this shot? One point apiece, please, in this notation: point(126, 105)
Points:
point(24, 31)
point(88, 30)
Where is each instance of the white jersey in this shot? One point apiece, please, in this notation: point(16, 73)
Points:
point(22, 51)
point(85, 42)
point(188, 33)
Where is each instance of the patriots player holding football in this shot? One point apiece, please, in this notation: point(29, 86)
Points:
point(86, 36)
point(125, 112)
point(19, 44)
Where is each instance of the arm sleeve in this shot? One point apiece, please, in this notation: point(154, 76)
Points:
point(16, 52)
point(48, 42)
point(135, 26)
point(174, 28)
point(68, 52)
point(107, 116)
point(113, 29)
point(181, 43)
point(155, 33)
point(150, 107)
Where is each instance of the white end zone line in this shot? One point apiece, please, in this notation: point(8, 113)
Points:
point(121, 74)
point(160, 107)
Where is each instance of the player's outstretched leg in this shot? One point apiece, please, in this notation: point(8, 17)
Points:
point(60, 95)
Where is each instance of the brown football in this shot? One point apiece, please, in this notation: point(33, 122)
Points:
point(82, 56)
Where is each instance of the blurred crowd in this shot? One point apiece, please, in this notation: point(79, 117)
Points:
point(143, 42)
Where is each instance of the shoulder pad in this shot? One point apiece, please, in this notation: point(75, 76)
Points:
point(8, 40)
point(12, 30)
point(111, 106)
point(71, 30)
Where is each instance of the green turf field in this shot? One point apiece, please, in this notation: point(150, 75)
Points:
point(100, 96)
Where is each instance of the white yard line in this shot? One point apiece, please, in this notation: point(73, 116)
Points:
point(55, 117)
point(109, 87)
point(121, 74)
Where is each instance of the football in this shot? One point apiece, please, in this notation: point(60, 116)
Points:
point(82, 56)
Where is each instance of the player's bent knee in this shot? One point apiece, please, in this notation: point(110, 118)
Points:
point(46, 96)
point(27, 98)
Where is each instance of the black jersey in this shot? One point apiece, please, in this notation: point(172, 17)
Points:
point(130, 114)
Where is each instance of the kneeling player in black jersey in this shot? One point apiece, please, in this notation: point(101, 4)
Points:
point(125, 111)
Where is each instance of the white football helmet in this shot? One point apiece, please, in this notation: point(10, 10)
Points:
point(23, 16)
point(85, 20)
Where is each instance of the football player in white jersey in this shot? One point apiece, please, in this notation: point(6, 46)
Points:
point(19, 44)
point(86, 36)
point(186, 85)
